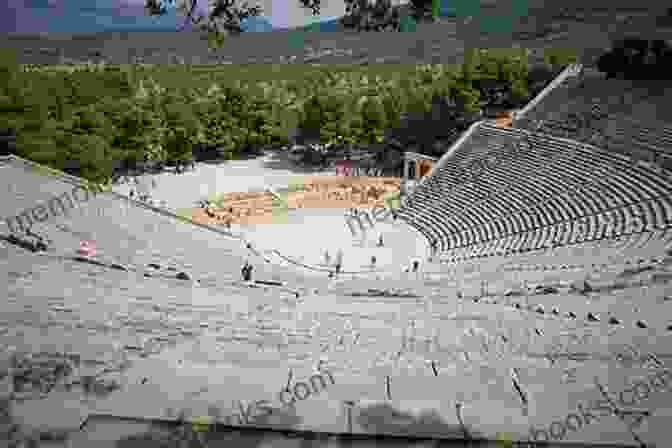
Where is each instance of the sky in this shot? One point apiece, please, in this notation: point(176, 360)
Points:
point(72, 16)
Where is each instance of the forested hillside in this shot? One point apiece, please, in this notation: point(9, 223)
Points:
point(95, 120)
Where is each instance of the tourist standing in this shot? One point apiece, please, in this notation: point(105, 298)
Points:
point(380, 240)
point(339, 261)
point(247, 271)
point(327, 258)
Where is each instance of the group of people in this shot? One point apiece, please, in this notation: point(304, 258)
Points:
point(415, 266)
point(338, 262)
point(36, 243)
point(339, 258)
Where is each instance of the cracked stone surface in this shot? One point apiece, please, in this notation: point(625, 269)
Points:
point(105, 344)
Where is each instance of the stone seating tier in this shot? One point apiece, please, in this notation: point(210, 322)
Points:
point(588, 234)
point(430, 185)
point(460, 205)
point(575, 204)
point(518, 226)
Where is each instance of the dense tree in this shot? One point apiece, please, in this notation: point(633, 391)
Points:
point(364, 16)
point(637, 58)
point(422, 9)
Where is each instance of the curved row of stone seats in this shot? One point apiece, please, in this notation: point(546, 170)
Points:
point(485, 174)
point(637, 245)
point(520, 224)
point(616, 309)
point(642, 141)
point(653, 182)
point(439, 187)
point(590, 89)
point(420, 223)
point(589, 228)
point(425, 192)
point(548, 265)
point(500, 222)
point(592, 226)
point(632, 249)
point(66, 303)
point(623, 130)
point(618, 134)
point(613, 122)
point(584, 201)
point(648, 244)
point(643, 183)
point(514, 244)
point(507, 228)
point(582, 258)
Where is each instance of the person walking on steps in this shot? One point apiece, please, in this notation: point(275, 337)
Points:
point(373, 261)
point(327, 258)
point(416, 265)
point(380, 240)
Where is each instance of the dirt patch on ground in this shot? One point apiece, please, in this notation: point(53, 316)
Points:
point(311, 192)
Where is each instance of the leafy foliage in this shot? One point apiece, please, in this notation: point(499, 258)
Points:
point(94, 121)
point(637, 58)
point(225, 17)
point(422, 9)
